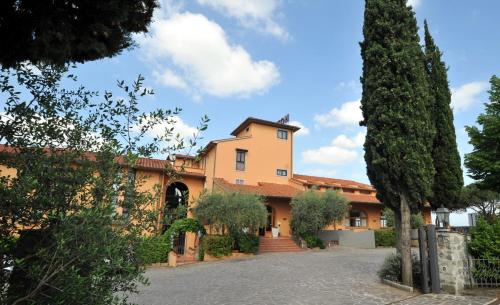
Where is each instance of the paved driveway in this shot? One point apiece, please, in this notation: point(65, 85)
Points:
point(339, 276)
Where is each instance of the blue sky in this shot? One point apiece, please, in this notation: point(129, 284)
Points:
point(231, 59)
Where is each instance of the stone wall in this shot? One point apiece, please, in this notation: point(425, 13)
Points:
point(348, 238)
point(452, 258)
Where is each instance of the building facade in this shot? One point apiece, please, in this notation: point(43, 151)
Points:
point(259, 159)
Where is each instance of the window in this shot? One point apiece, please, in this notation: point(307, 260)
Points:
point(281, 172)
point(240, 181)
point(240, 159)
point(356, 219)
point(282, 134)
point(383, 222)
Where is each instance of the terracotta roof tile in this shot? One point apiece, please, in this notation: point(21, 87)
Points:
point(361, 198)
point(263, 188)
point(283, 191)
point(144, 163)
point(332, 182)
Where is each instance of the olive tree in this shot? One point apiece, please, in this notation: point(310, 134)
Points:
point(74, 199)
point(234, 212)
point(312, 211)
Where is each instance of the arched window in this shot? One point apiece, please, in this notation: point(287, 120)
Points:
point(177, 194)
point(176, 201)
point(356, 218)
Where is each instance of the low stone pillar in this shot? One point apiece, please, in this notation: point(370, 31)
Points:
point(172, 259)
point(452, 260)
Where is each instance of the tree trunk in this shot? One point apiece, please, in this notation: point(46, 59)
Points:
point(405, 242)
point(397, 230)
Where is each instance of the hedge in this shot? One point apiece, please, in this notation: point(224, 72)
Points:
point(153, 249)
point(249, 243)
point(385, 238)
point(218, 245)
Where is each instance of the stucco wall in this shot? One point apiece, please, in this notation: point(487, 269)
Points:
point(281, 215)
point(265, 154)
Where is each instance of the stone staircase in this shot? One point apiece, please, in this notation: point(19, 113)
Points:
point(281, 244)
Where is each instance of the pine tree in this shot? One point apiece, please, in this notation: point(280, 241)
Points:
point(395, 105)
point(483, 162)
point(448, 179)
point(58, 32)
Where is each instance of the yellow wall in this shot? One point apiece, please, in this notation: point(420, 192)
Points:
point(281, 215)
point(265, 154)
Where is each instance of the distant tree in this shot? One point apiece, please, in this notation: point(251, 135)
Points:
point(59, 32)
point(448, 179)
point(313, 210)
point(483, 163)
point(396, 104)
point(416, 220)
point(485, 203)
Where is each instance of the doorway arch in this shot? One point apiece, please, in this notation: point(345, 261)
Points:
point(176, 202)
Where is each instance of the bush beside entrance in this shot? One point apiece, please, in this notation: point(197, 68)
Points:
point(385, 238)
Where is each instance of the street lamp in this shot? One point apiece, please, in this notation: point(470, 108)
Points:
point(442, 218)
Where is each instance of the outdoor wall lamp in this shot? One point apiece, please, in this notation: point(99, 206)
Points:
point(442, 218)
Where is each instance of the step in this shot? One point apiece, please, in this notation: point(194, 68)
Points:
point(282, 244)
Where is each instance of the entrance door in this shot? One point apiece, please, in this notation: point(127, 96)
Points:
point(270, 221)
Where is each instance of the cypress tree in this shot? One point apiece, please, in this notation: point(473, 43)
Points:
point(448, 179)
point(483, 163)
point(395, 105)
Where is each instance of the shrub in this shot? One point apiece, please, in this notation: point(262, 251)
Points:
point(385, 238)
point(485, 240)
point(153, 249)
point(218, 245)
point(313, 242)
point(249, 243)
point(416, 220)
point(391, 269)
point(314, 210)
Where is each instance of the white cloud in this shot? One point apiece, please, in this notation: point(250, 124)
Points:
point(169, 78)
point(330, 155)
point(303, 131)
point(254, 14)
point(414, 3)
point(349, 113)
point(184, 130)
point(344, 141)
point(208, 62)
point(464, 96)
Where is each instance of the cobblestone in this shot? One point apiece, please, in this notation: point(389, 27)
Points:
point(339, 276)
point(446, 299)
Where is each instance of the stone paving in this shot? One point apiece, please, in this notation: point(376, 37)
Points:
point(337, 276)
point(446, 299)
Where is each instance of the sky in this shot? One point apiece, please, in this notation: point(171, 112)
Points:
point(231, 59)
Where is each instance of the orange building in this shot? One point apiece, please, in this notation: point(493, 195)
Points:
point(257, 159)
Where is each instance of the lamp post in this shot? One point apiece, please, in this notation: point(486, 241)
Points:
point(442, 219)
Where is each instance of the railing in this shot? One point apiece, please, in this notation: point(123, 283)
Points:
point(483, 272)
point(178, 244)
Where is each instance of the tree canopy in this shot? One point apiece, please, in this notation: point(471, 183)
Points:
point(234, 212)
point(59, 32)
point(485, 203)
point(313, 210)
point(448, 178)
point(483, 163)
point(396, 105)
point(74, 198)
